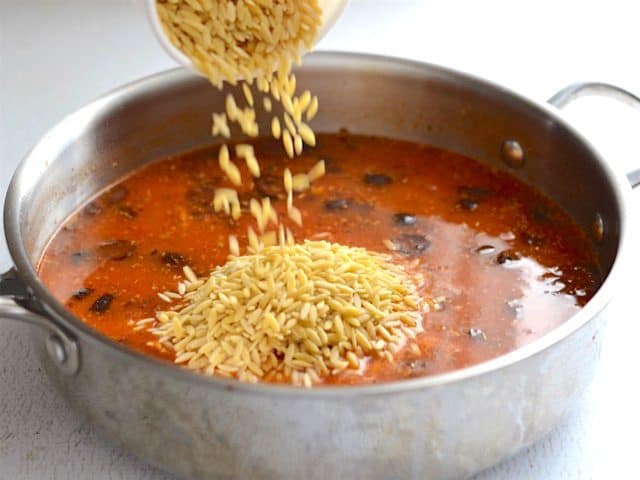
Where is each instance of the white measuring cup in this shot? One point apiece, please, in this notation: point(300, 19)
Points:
point(331, 10)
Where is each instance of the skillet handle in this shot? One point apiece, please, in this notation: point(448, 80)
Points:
point(18, 303)
point(568, 94)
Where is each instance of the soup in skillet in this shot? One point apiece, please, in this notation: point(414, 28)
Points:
point(501, 264)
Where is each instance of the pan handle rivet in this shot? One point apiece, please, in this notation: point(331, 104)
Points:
point(598, 228)
point(55, 349)
point(512, 154)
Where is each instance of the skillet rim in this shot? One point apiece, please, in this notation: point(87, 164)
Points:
point(87, 335)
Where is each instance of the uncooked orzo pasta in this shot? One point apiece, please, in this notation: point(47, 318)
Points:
point(241, 39)
point(292, 313)
point(254, 42)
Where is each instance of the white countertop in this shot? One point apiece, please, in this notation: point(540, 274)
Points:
point(56, 55)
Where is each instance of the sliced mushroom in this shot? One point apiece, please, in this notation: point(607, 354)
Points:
point(377, 179)
point(102, 304)
point(404, 219)
point(338, 204)
point(173, 259)
point(507, 257)
point(467, 204)
point(115, 249)
point(200, 198)
point(485, 249)
point(271, 186)
point(412, 244)
point(116, 194)
point(471, 197)
point(82, 293)
point(92, 209)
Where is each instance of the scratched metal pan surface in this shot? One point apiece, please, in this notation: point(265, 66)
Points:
point(438, 427)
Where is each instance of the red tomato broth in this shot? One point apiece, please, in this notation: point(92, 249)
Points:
point(541, 270)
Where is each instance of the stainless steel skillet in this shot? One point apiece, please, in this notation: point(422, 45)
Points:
point(444, 426)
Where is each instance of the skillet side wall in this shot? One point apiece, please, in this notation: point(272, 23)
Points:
point(444, 432)
point(204, 429)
